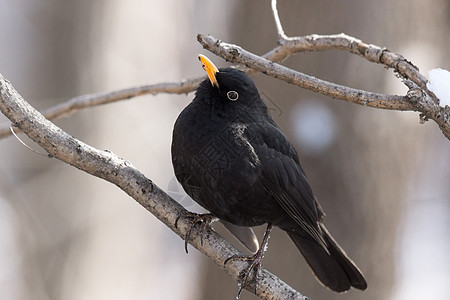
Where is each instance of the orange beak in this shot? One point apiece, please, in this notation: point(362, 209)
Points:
point(210, 69)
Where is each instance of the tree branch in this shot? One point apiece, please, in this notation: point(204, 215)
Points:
point(235, 53)
point(418, 98)
point(372, 53)
point(108, 166)
point(281, 35)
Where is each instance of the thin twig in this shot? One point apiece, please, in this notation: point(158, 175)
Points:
point(276, 17)
point(81, 102)
point(24, 144)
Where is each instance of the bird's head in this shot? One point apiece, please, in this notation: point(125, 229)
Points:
point(227, 84)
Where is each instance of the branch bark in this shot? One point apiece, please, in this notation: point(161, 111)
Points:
point(108, 166)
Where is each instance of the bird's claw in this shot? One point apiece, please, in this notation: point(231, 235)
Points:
point(205, 219)
point(255, 262)
point(255, 265)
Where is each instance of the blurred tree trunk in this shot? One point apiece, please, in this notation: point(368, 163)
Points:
point(361, 175)
point(46, 43)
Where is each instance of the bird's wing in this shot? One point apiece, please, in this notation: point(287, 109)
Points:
point(284, 178)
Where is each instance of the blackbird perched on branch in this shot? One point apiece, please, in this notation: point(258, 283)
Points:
point(233, 159)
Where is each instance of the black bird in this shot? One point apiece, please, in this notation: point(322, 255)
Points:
point(233, 159)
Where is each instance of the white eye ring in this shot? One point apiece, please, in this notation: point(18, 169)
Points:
point(233, 95)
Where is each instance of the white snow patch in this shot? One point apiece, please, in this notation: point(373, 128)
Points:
point(439, 84)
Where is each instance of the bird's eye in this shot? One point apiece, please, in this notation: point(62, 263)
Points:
point(232, 95)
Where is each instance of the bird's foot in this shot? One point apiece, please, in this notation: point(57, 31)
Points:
point(205, 219)
point(255, 262)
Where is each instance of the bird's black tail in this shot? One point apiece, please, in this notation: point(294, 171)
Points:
point(334, 269)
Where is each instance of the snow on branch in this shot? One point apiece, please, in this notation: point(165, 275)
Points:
point(439, 84)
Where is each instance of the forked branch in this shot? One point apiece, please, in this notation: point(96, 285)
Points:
point(418, 98)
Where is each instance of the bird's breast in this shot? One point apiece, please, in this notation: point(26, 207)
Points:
point(217, 165)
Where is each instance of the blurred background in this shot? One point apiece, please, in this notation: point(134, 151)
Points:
point(381, 177)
